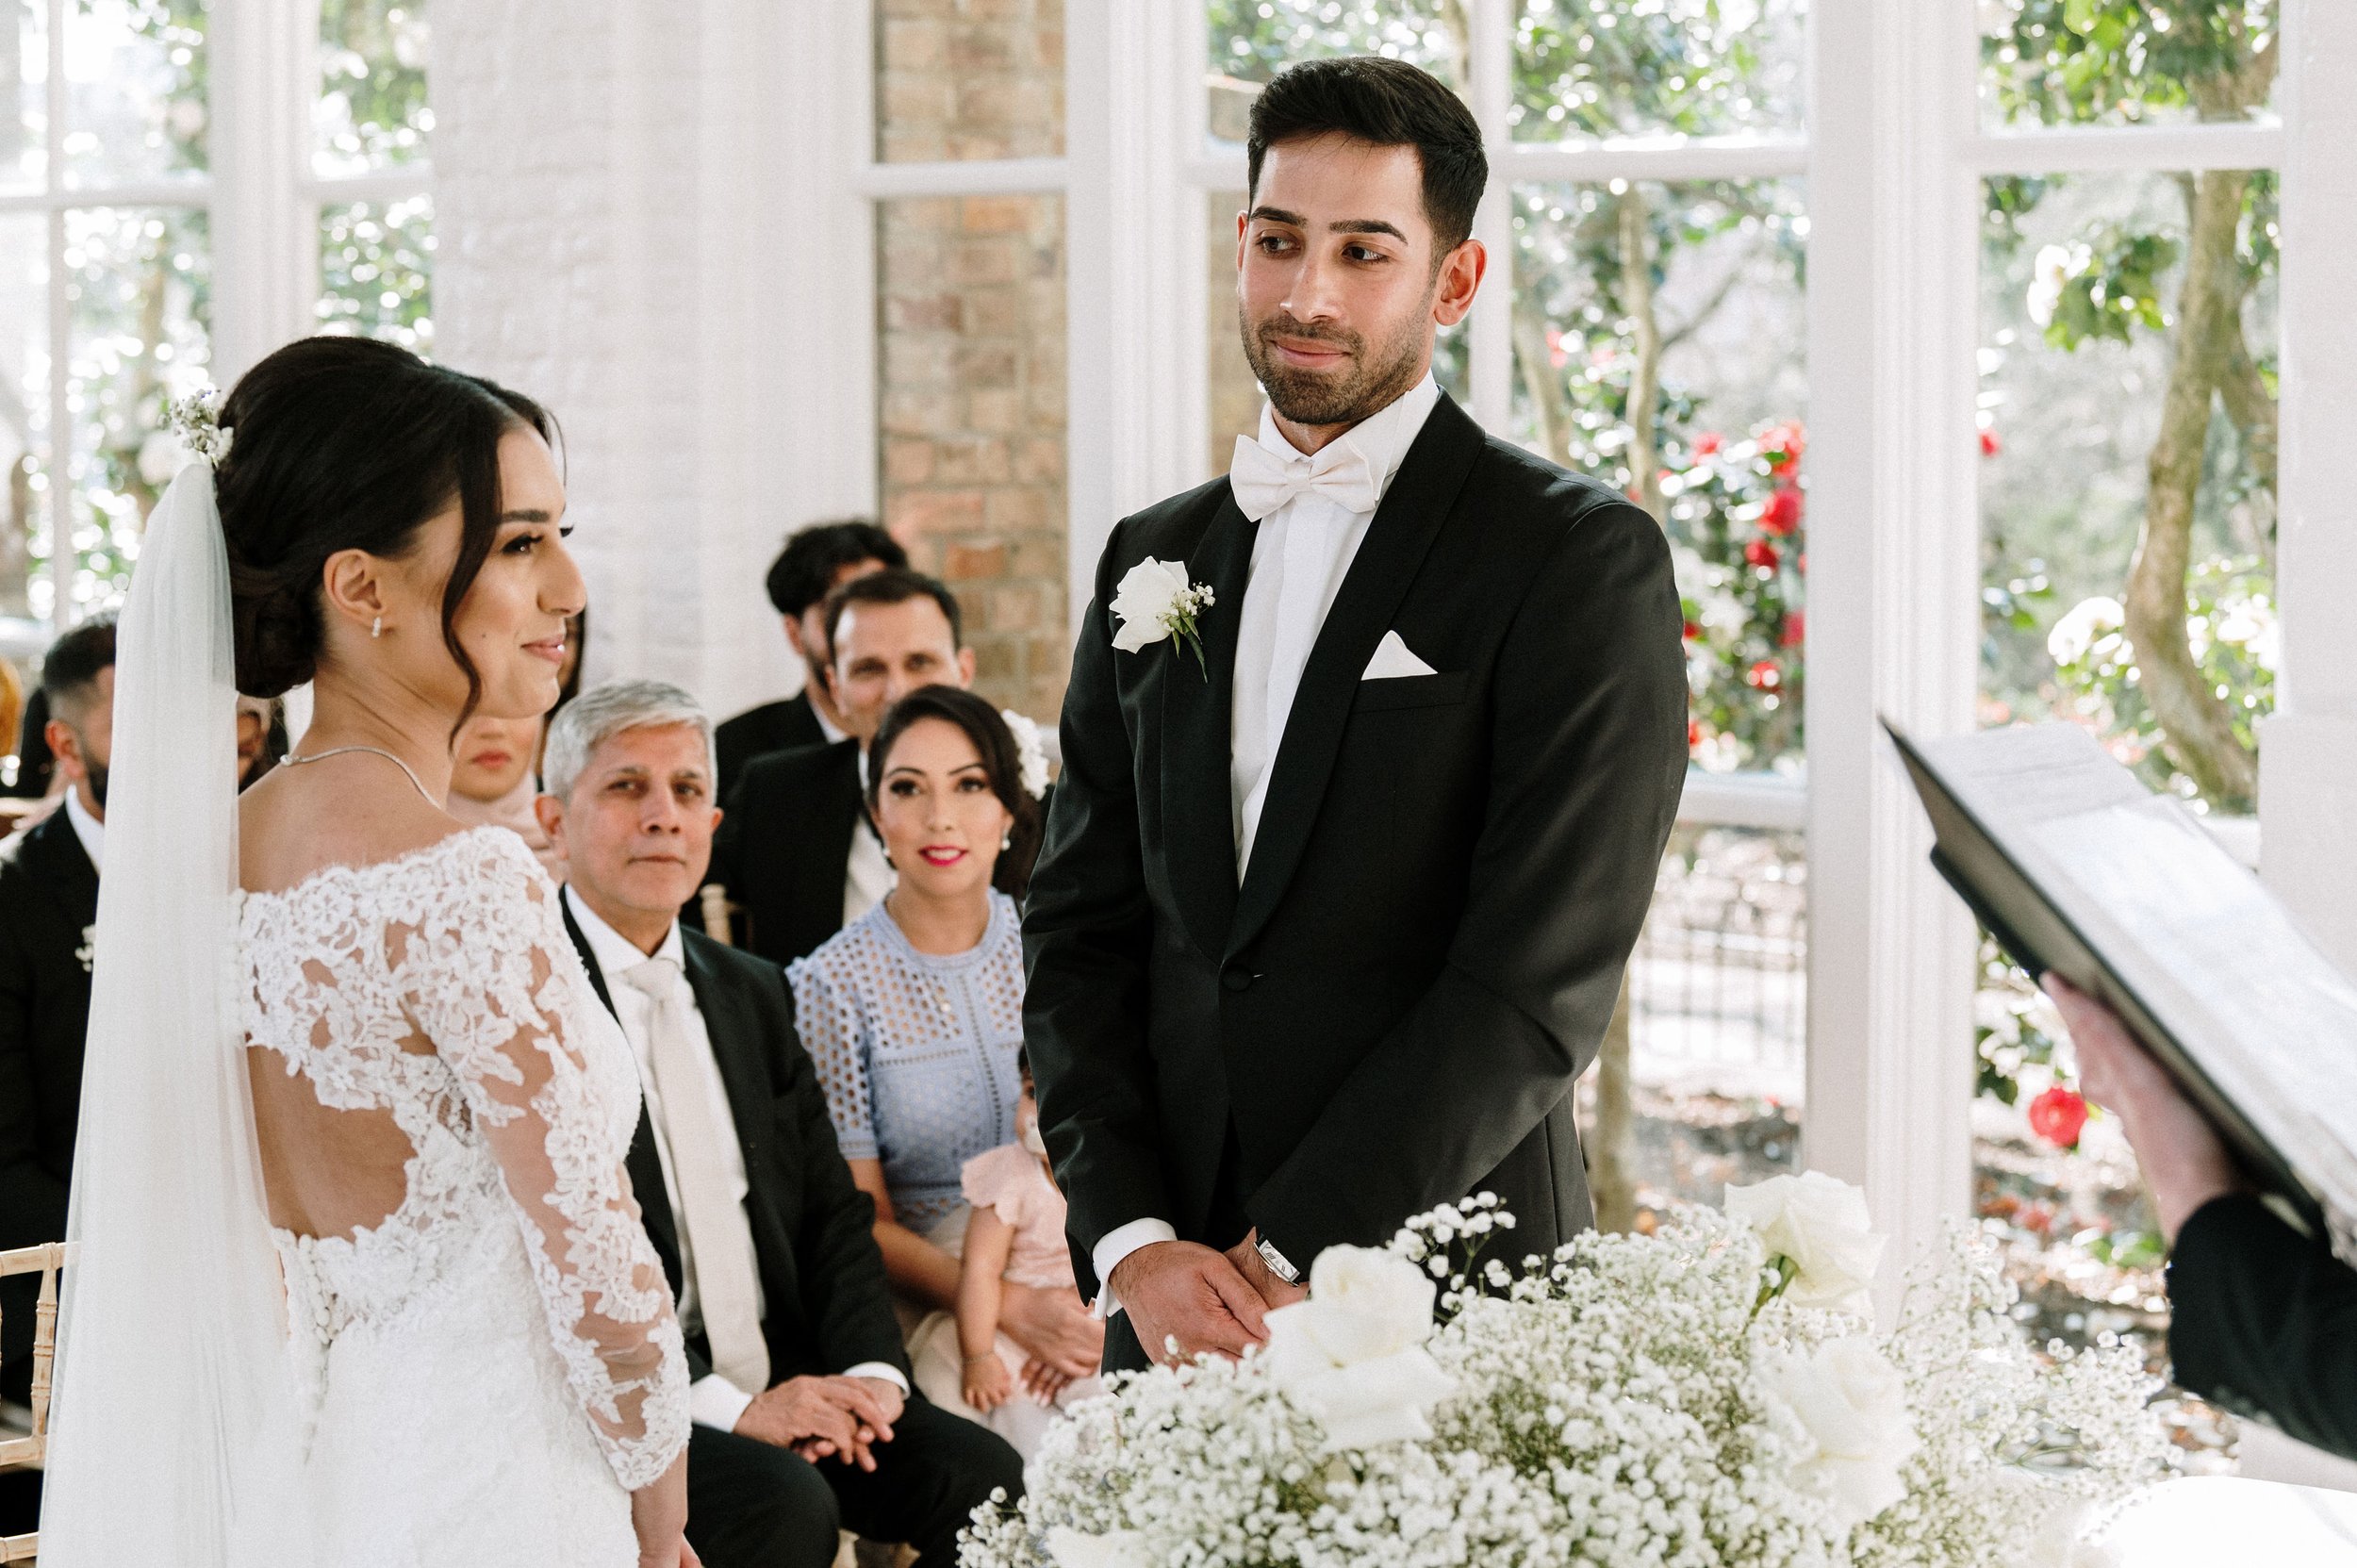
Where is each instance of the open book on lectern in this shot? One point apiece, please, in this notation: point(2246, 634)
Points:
point(2074, 866)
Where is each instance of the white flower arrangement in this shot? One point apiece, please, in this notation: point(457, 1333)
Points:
point(196, 419)
point(1029, 750)
point(1154, 601)
point(1666, 1401)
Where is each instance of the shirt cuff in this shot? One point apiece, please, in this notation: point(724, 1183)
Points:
point(714, 1401)
point(883, 1372)
point(1118, 1244)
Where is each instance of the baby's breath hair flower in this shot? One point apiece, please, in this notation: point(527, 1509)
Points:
point(196, 419)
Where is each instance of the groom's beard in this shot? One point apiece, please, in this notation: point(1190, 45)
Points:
point(1379, 373)
point(96, 773)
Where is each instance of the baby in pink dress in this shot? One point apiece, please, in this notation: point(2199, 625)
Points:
point(1015, 1233)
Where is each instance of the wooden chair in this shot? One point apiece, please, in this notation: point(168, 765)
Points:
point(716, 909)
point(27, 1451)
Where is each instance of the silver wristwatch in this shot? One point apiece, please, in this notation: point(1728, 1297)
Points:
point(1279, 1265)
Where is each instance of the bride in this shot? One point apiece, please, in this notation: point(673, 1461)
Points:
point(360, 1280)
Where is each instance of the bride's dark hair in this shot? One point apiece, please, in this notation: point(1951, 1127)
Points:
point(347, 443)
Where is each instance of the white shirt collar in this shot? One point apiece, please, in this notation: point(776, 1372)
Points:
point(617, 954)
point(827, 729)
point(89, 829)
point(1382, 437)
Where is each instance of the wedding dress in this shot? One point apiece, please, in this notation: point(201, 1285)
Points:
point(488, 1366)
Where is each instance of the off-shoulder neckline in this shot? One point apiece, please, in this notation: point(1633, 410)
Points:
point(339, 871)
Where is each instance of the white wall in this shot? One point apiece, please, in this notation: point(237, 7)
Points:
point(637, 224)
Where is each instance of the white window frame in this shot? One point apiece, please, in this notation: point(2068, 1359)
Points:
point(264, 202)
point(1893, 162)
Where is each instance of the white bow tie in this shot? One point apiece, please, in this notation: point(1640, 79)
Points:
point(1339, 472)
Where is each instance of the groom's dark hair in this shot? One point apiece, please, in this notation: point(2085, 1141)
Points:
point(1391, 104)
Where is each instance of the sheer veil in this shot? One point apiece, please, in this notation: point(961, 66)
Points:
point(175, 1437)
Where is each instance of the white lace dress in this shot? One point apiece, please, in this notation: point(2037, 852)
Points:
point(493, 1362)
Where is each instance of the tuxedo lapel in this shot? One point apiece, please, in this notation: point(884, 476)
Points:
point(1200, 853)
point(644, 1164)
point(55, 862)
point(731, 1028)
point(1399, 536)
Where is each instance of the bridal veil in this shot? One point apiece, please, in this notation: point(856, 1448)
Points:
point(175, 1437)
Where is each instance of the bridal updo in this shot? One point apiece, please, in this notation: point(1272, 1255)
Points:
point(347, 443)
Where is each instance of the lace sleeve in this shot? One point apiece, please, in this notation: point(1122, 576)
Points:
point(492, 980)
point(826, 1017)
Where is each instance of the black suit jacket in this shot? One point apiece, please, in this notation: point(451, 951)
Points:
point(784, 847)
point(772, 727)
point(2263, 1323)
point(48, 901)
point(822, 1277)
point(1450, 871)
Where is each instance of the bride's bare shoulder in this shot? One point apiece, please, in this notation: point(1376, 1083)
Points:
point(297, 822)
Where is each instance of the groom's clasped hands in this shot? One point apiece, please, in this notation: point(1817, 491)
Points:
point(1199, 1299)
point(824, 1418)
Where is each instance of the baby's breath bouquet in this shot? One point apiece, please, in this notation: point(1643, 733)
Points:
point(1710, 1395)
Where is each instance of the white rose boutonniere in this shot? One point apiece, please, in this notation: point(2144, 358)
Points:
point(1155, 600)
point(1353, 1354)
point(1819, 1227)
point(89, 950)
point(1851, 1403)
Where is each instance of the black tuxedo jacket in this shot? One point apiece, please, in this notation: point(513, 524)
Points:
point(2263, 1323)
point(48, 901)
point(1449, 874)
point(822, 1277)
point(785, 846)
point(772, 727)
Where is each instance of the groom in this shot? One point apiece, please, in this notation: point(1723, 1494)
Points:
point(1326, 928)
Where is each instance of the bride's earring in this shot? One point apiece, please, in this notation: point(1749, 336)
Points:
point(1007, 840)
point(377, 627)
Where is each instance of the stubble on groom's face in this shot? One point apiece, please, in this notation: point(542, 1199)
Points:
point(1336, 279)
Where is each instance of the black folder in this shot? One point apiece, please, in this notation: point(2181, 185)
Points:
point(2009, 808)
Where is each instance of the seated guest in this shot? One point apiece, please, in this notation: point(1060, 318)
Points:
point(804, 1421)
point(1014, 1235)
point(49, 905)
point(914, 1011)
point(261, 738)
point(816, 561)
point(796, 852)
point(2262, 1320)
point(491, 780)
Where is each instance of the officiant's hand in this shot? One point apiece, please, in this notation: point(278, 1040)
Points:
point(1179, 1291)
point(1245, 1255)
point(1055, 1328)
point(2185, 1163)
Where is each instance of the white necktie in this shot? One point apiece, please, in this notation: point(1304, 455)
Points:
point(718, 1239)
point(1338, 472)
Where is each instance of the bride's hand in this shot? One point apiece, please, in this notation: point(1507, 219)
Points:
point(658, 1514)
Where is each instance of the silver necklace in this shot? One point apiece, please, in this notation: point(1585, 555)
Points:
point(293, 761)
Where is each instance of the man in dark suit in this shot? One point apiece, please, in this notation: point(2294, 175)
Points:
point(816, 561)
point(804, 1417)
point(796, 852)
point(48, 904)
point(2263, 1319)
point(1326, 925)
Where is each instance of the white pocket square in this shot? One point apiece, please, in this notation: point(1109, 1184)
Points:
point(1393, 660)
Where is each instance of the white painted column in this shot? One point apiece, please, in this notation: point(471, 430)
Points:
point(1490, 353)
point(2308, 749)
point(264, 58)
point(1134, 247)
point(1893, 603)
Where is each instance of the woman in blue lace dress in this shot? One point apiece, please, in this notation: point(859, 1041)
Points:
point(914, 1012)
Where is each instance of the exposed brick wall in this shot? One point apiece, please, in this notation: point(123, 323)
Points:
point(970, 362)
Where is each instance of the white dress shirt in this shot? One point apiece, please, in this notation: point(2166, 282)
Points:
point(1300, 556)
point(712, 1399)
point(868, 876)
point(89, 829)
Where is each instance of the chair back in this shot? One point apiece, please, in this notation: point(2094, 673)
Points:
point(27, 1451)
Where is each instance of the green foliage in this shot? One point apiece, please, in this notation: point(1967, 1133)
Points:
point(2104, 286)
point(1735, 521)
point(1609, 68)
point(1253, 39)
point(2009, 1026)
point(373, 56)
point(2230, 618)
point(2062, 63)
point(376, 264)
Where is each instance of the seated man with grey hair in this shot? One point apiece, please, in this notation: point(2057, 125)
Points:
point(804, 1418)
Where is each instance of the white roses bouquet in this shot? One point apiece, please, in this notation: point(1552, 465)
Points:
point(1711, 1395)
